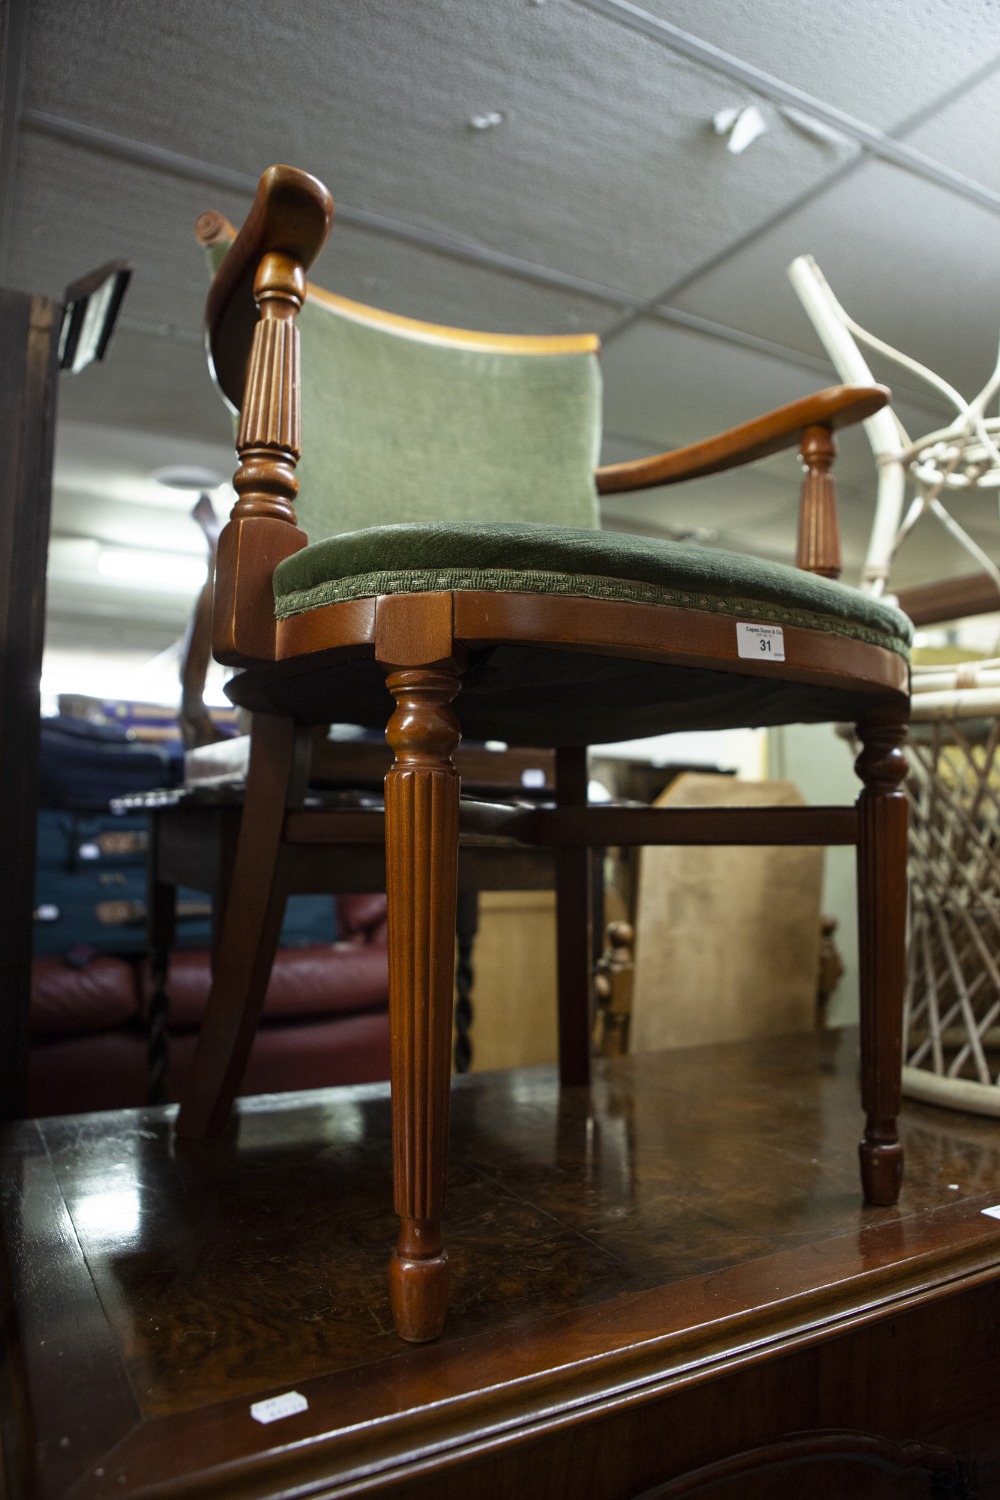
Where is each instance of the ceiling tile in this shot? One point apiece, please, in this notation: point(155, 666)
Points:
point(604, 165)
point(376, 268)
point(670, 386)
point(877, 62)
point(913, 263)
point(75, 208)
point(956, 135)
point(150, 383)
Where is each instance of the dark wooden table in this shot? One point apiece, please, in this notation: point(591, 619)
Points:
point(665, 1284)
point(193, 830)
point(193, 838)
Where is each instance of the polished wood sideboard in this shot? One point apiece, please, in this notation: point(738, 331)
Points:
point(665, 1285)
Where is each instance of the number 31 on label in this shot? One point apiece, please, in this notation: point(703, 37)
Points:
point(762, 642)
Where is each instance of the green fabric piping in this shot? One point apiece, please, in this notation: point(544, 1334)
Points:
point(519, 581)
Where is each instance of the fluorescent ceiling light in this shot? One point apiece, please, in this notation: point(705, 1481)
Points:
point(165, 570)
point(188, 477)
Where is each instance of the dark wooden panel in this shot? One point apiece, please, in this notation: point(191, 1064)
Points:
point(950, 599)
point(667, 1271)
point(601, 827)
point(28, 334)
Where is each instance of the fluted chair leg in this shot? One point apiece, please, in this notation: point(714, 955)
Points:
point(255, 906)
point(882, 811)
point(421, 836)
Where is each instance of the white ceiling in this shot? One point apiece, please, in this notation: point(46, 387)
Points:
point(602, 200)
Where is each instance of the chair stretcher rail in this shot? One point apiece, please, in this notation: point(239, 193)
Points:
point(598, 827)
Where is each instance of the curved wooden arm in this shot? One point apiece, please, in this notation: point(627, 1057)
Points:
point(255, 360)
point(838, 406)
point(213, 228)
point(291, 216)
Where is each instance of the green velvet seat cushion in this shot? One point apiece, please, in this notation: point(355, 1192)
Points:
point(522, 557)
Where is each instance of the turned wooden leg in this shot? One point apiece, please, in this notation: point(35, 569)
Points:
point(421, 840)
point(882, 812)
point(573, 941)
point(255, 905)
point(161, 922)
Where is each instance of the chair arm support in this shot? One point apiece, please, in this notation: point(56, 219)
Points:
point(253, 345)
point(291, 217)
point(213, 228)
point(837, 406)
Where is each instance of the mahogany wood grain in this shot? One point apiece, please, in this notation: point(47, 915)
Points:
point(29, 338)
point(688, 1280)
point(650, 632)
point(574, 945)
point(951, 599)
point(269, 439)
point(818, 549)
point(414, 644)
point(243, 619)
point(213, 228)
point(603, 826)
point(414, 630)
point(334, 626)
point(882, 821)
point(290, 216)
point(254, 908)
point(689, 637)
point(364, 763)
point(831, 1464)
point(837, 406)
point(341, 852)
point(421, 849)
point(53, 1294)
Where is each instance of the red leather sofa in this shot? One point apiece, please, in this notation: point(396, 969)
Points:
point(325, 1020)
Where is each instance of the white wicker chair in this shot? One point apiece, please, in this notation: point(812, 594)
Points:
point(952, 1041)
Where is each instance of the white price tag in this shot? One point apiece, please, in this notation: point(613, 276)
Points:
point(762, 642)
point(276, 1407)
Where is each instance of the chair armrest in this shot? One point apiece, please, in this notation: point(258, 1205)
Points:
point(213, 228)
point(837, 406)
point(291, 216)
point(255, 361)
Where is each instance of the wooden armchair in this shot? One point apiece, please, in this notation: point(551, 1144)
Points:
point(493, 606)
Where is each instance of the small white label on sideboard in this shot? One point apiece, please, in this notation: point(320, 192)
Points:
point(763, 642)
point(277, 1407)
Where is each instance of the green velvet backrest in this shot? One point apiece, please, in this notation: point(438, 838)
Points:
point(400, 423)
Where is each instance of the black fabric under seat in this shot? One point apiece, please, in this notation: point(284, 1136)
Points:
point(540, 695)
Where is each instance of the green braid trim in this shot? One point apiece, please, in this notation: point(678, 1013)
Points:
point(585, 586)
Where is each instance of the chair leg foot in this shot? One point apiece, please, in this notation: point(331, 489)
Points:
point(419, 1281)
point(881, 1165)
